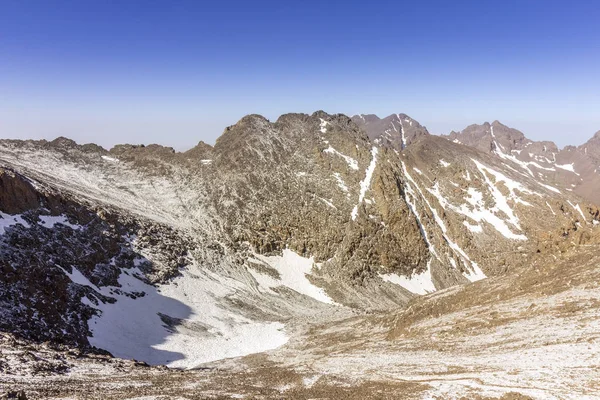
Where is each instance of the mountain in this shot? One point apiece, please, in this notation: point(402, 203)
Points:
point(574, 169)
point(396, 130)
point(186, 258)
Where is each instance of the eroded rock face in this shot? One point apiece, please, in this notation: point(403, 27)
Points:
point(16, 193)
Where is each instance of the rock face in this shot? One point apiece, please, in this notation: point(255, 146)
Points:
point(396, 130)
point(16, 193)
point(573, 169)
point(218, 245)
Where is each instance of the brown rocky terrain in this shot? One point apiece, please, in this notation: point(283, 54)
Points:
point(574, 168)
point(357, 257)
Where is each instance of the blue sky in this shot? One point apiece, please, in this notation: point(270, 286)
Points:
point(176, 72)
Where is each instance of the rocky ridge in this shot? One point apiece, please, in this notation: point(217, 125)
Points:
point(574, 168)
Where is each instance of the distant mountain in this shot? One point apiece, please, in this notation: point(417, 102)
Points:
point(396, 130)
point(574, 169)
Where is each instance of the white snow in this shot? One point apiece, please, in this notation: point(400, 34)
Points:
point(205, 330)
point(416, 283)
point(473, 228)
point(206, 162)
point(409, 192)
point(328, 202)
point(50, 220)
point(550, 207)
point(111, 159)
point(366, 183)
point(552, 188)
point(511, 184)
point(77, 277)
point(402, 131)
point(479, 212)
point(567, 167)
point(523, 164)
point(476, 274)
point(340, 182)
point(293, 270)
point(444, 163)
point(8, 220)
point(352, 163)
point(577, 208)
point(323, 125)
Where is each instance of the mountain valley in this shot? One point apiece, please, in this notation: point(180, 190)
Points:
point(316, 256)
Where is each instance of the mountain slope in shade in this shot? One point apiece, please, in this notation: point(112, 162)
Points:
point(573, 169)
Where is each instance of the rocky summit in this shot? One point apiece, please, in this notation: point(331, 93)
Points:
point(315, 256)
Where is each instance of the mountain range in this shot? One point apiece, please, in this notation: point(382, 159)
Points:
point(313, 256)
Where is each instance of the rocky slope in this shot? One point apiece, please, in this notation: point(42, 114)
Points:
point(180, 259)
point(574, 169)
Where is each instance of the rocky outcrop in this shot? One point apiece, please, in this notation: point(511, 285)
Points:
point(16, 193)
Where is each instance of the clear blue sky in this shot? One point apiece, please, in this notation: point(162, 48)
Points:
point(176, 72)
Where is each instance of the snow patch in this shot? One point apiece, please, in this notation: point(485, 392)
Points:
point(477, 211)
point(551, 188)
point(444, 163)
point(181, 324)
point(352, 163)
point(366, 183)
point(340, 182)
point(49, 221)
point(577, 208)
point(553, 213)
point(293, 270)
point(473, 228)
point(323, 125)
point(402, 132)
point(567, 167)
point(110, 159)
point(8, 220)
point(416, 283)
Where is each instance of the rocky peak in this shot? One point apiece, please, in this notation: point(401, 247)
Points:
point(572, 168)
point(64, 144)
point(395, 131)
point(202, 151)
point(361, 119)
point(591, 148)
